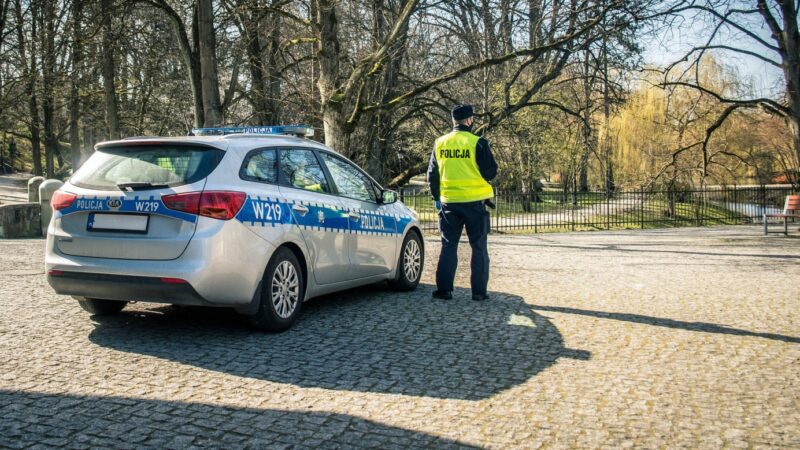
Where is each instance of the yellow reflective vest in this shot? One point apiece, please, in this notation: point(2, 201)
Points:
point(460, 180)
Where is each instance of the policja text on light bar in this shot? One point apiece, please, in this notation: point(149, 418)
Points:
point(294, 130)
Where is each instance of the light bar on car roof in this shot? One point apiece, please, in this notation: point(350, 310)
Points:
point(293, 130)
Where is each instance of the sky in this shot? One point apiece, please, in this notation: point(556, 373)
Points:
point(670, 44)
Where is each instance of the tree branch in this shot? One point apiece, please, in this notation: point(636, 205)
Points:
point(535, 52)
point(770, 105)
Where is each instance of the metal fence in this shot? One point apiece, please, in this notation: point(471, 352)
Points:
point(621, 209)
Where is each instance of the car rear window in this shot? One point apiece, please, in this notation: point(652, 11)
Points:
point(158, 165)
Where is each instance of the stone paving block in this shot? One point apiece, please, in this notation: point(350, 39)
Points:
point(644, 339)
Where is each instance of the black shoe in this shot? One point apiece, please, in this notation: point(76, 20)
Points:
point(442, 295)
point(480, 297)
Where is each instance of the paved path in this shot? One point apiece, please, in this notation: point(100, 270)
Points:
point(13, 188)
point(679, 338)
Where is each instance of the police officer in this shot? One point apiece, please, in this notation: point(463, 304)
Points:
point(460, 168)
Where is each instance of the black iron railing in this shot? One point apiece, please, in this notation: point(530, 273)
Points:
point(622, 209)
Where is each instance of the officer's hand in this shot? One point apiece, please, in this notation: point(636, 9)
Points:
point(437, 204)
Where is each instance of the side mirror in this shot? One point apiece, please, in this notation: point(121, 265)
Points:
point(388, 197)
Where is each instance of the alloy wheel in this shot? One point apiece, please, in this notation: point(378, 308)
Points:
point(411, 260)
point(285, 289)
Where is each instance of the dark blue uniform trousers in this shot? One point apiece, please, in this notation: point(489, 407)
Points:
point(453, 217)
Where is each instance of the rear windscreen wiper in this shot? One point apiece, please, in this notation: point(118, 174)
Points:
point(139, 186)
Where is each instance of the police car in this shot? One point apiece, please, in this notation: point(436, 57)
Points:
point(254, 218)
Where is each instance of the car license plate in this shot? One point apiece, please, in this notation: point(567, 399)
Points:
point(125, 223)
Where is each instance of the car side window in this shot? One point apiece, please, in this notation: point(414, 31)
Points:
point(300, 169)
point(260, 166)
point(350, 181)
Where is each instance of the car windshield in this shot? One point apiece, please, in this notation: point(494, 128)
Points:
point(146, 166)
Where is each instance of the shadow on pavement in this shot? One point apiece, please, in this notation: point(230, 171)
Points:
point(56, 420)
point(669, 323)
point(366, 340)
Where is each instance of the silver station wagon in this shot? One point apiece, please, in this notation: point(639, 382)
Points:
point(255, 218)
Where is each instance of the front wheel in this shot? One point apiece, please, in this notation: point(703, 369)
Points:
point(409, 266)
point(100, 307)
point(281, 293)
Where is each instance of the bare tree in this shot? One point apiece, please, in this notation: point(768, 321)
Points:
point(780, 49)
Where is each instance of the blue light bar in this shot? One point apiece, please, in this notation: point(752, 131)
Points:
point(292, 130)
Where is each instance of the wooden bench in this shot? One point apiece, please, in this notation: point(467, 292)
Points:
point(790, 210)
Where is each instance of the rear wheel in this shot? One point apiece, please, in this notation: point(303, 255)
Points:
point(100, 307)
point(281, 293)
point(409, 267)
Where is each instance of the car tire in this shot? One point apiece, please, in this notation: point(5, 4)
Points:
point(100, 307)
point(410, 263)
point(282, 292)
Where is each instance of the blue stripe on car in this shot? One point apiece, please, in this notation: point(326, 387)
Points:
point(151, 205)
point(274, 211)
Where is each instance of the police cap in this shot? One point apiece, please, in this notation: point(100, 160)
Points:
point(461, 112)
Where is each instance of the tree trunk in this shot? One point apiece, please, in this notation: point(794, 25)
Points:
point(88, 140)
point(328, 55)
point(337, 136)
point(378, 138)
point(192, 56)
point(109, 85)
point(255, 64)
point(610, 185)
point(212, 107)
point(12, 153)
point(524, 181)
point(534, 18)
point(262, 63)
point(380, 125)
point(794, 126)
point(75, 80)
point(36, 142)
point(342, 99)
point(506, 26)
point(3, 149)
point(4, 7)
point(48, 54)
point(583, 182)
point(30, 73)
point(791, 71)
point(273, 73)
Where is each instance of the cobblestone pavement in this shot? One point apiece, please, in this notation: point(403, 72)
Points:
point(671, 338)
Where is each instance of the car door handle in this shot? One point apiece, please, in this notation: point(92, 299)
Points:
point(353, 215)
point(300, 209)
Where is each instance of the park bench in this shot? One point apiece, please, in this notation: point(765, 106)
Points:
point(790, 210)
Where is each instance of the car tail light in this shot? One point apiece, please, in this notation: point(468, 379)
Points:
point(188, 202)
point(215, 204)
point(221, 205)
point(168, 280)
point(62, 200)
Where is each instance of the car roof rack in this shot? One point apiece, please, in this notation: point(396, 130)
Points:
point(265, 130)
